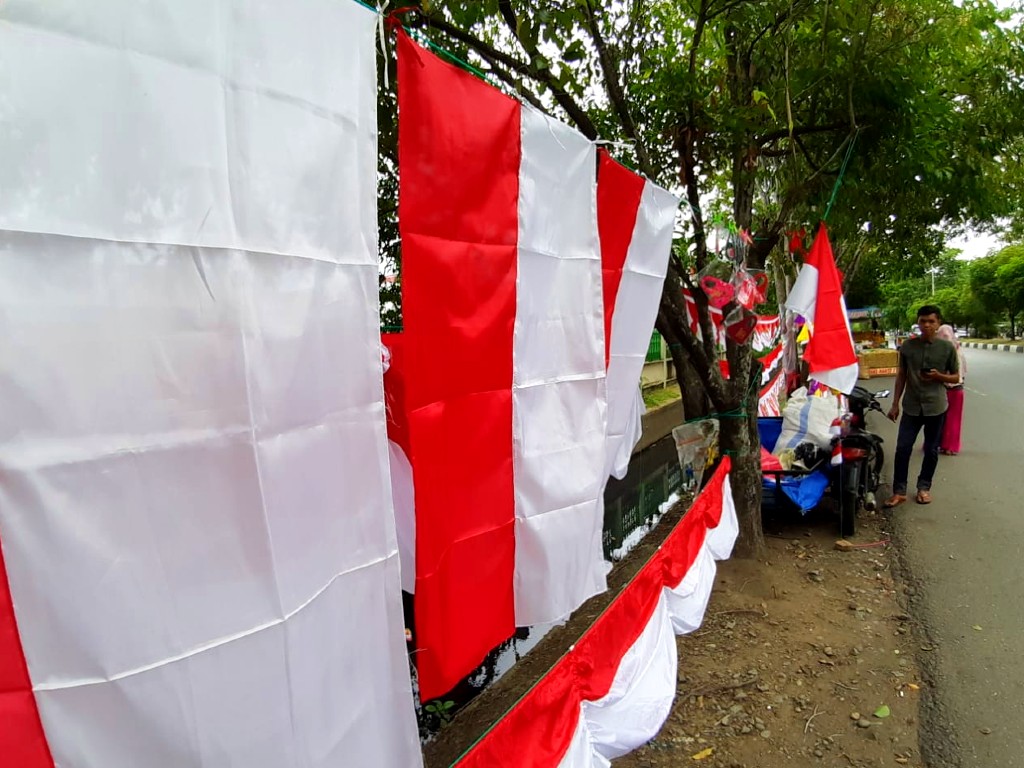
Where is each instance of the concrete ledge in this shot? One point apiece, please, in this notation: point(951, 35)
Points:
point(1017, 348)
point(659, 422)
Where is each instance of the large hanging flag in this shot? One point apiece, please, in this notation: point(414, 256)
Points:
point(818, 296)
point(635, 218)
point(199, 558)
point(505, 363)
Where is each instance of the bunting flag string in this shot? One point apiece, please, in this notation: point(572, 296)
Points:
point(614, 688)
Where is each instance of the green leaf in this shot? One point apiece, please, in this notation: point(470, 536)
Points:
point(882, 711)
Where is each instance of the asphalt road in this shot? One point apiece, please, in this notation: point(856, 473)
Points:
point(963, 553)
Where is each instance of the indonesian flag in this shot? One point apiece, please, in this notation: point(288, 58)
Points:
point(199, 564)
point(818, 296)
point(635, 218)
point(505, 363)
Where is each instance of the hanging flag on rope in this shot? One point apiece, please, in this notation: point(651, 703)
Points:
point(505, 363)
point(199, 559)
point(818, 296)
point(635, 219)
point(766, 332)
point(772, 382)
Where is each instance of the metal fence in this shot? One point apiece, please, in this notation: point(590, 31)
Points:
point(654, 348)
point(654, 475)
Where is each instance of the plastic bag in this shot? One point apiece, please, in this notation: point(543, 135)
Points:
point(696, 445)
point(808, 419)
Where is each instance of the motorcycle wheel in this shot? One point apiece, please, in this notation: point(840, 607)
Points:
point(849, 497)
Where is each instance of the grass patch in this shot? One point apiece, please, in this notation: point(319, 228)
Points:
point(654, 398)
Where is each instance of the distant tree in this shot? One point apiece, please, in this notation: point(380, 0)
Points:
point(997, 282)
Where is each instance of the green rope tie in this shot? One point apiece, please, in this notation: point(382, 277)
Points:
point(842, 172)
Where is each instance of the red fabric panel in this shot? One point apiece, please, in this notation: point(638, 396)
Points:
point(22, 741)
point(458, 152)
point(537, 731)
point(831, 345)
point(618, 201)
point(394, 392)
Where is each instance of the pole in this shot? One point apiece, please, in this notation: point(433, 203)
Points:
point(932, 270)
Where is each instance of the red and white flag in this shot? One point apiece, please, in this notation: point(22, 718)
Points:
point(504, 360)
point(635, 218)
point(199, 563)
point(818, 296)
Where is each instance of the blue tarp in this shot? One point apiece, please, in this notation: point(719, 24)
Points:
point(804, 491)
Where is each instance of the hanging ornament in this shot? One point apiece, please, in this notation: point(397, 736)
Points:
point(796, 242)
point(740, 325)
point(718, 291)
point(751, 287)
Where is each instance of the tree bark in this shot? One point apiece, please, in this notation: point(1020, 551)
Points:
point(745, 479)
point(691, 387)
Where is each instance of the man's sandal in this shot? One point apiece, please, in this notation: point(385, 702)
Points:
point(894, 501)
point(924, 497)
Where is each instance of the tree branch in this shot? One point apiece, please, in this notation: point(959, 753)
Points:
point(673, 308)
point(515, 85)
point(802, 130)
point(613, 86)
point(540, 74)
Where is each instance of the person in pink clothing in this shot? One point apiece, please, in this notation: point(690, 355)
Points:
point(949, 443)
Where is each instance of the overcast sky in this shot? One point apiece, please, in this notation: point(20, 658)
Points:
point(976, 244)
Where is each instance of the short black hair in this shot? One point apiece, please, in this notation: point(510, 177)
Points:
point(930, 309)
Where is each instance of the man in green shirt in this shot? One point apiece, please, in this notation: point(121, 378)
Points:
point(927, 364)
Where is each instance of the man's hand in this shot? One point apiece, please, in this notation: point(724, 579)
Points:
point(930, 375)
point(894, 412)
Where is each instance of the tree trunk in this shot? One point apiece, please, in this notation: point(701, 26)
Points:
point(695, 402)
point(745, 479)
point(781, 284)
point(691, 386)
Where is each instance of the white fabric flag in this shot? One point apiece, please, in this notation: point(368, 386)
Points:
point(194, 509)
point(635, 303)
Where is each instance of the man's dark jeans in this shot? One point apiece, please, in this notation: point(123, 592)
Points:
point(910, 428)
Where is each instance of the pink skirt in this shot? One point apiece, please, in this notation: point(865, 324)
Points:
point(954, 417)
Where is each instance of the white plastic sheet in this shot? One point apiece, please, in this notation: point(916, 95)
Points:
point(194, 505)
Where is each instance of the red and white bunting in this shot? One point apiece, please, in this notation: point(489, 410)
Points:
point(613, 690)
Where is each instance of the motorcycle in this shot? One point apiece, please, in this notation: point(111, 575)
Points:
point(863, 459)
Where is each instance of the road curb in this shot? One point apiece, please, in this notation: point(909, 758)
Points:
point(1018, 348)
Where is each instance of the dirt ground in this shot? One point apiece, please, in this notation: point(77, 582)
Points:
point(796, 659)
point(804, 659)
